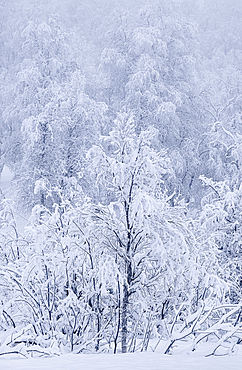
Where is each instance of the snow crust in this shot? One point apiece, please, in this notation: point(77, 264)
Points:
point(139, 361)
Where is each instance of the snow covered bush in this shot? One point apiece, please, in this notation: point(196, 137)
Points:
point(221, 220)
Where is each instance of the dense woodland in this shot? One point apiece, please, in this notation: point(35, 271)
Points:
point(122, 125)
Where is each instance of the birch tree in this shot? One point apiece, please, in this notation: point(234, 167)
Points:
point(137, 227)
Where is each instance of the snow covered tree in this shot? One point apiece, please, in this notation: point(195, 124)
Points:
point(147, 238)
point(48, 120)
point(55, 294)
point(152, 70)
point(221, 219)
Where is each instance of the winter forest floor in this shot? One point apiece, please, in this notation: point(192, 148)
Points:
point(139, 361)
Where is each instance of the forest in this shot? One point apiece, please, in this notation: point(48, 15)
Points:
point(121, 124)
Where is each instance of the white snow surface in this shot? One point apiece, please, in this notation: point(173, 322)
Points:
point(131, 361)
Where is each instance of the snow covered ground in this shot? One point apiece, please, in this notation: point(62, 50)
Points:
point(139, 361)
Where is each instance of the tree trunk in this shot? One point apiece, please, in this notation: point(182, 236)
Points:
point(124, 318)
point(97, 347)
point(119, 318)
